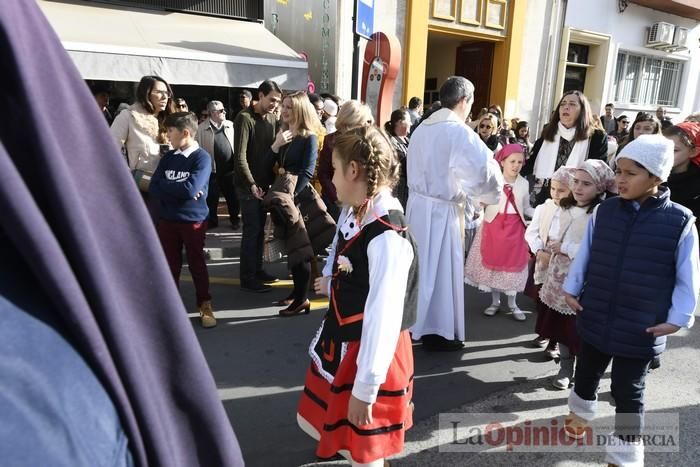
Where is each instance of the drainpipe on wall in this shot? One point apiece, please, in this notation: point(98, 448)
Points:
point(556, 28)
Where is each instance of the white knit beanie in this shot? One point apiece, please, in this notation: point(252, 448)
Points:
point(654, 152)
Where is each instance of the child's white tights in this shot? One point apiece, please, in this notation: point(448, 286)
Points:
point(377, 463)
point(496, 299)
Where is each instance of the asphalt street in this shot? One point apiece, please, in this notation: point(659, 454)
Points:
point(259, 361)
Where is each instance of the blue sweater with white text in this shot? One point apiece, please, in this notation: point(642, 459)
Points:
point(176, 182)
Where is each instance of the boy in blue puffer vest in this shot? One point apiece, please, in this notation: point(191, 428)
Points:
point(634, 281)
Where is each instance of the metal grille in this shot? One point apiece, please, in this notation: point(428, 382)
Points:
point(647, 80)
point(239, 9)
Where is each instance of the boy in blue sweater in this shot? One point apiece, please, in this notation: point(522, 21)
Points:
point(181, 183)
point(634, 281)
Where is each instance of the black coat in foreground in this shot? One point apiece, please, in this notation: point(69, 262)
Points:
point(72, 210)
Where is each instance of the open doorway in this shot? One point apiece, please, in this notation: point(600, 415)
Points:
point(475, 62)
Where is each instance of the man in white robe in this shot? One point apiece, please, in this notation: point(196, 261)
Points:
point(448, 167)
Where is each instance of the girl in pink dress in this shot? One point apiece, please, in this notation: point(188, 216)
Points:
point(498, 258)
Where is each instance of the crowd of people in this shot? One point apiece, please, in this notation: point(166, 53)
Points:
point(408, 213)
point(606, 233)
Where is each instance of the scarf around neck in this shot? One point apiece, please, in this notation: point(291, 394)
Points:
point(547, 156)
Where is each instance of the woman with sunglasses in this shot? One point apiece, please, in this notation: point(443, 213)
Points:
point(569, 138)
point(487, 128)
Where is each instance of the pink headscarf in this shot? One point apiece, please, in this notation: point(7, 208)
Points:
point(507, 150)
point(563, 175)
point(601, 173)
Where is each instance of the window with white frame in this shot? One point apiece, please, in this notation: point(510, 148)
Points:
point(647, 80)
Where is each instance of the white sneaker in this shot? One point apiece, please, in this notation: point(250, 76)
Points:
point(518, 314)
point(491, 310)
point(561, 383)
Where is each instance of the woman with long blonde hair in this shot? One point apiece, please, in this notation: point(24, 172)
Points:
point(296, 146)
point(352, 114)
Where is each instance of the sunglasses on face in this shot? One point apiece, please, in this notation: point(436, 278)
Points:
point(487, 127)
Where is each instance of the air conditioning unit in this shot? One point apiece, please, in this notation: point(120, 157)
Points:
point(660, 35)
point(680, 38)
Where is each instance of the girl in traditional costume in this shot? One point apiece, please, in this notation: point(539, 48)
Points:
point(357, 395)
point(541, 235)
point(498, 259)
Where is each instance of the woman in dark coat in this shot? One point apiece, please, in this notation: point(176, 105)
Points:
point(487, 128)
point(397, 129)
point(568, 139)
point(297, 148)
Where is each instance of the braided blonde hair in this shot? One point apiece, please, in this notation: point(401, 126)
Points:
point(373, 152)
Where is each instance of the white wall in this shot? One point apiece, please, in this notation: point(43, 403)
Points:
point(628, 32)
point(539, 44)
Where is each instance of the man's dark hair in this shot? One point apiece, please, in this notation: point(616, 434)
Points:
point(610, 104)
point(313, 98)
point(454, 90)
point(246, 93)
point(414, 103)
point(100, 87)
point(182, 121)
point(268, 86)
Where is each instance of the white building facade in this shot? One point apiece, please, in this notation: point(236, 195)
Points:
point(593, 46)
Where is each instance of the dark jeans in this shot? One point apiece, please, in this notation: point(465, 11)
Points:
point(222, 185)
point(254, 217)
point(627, 388)
point(301, 274)
point(173, 236)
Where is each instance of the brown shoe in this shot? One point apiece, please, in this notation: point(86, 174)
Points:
point(304, 307)
point(206, 315)
point(575, 427)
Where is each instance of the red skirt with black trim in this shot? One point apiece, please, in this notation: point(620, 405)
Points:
point(325, 407)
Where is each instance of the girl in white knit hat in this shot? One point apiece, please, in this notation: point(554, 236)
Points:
point(634, 280)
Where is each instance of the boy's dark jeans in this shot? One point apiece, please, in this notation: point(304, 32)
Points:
point(627, 388)
point(253, 236)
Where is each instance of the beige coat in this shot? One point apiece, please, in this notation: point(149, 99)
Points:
point(205, 138)
point(521, 193)
point(136, 130)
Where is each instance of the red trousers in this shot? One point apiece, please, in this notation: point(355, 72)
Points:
point(173, 236)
